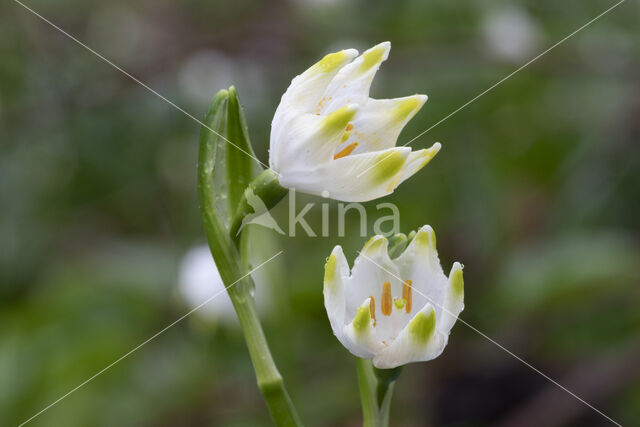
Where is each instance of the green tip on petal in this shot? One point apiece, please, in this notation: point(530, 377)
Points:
point(426, 237)
point(372, 57)
point(331, 61)
point(337, 121)
point(387, 165)
point(456, 280)
point(407, 108)
point(422, 326)
point(330, 270)
point(430, 153)
point(373, 244)
point(362, 321)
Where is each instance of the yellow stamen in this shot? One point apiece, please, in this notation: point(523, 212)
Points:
point(372, 309)
point(345, 151)
point(385, 304)
point(406, 294)
point(349, 127)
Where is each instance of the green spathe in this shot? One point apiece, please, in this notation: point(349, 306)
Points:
point(239, 164)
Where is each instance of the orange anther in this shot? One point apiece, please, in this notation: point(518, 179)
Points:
point(406, 294)
point(385, 304)
point(345, 151)
point(372, 309)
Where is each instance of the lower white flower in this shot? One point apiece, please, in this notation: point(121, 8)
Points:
point(395, 311)
point(201, 287)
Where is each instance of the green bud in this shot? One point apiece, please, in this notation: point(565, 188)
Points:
point(397, 244)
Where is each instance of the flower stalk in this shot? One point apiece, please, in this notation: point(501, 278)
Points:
point(376, 389)
point(266, 188)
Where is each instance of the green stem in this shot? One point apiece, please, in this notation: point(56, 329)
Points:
point(376, 389)
point(232, 267)
point(267, 189)
point(367, 385)
point(269, 379)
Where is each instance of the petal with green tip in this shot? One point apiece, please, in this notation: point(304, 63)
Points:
point(360, 337)
point(305, 91)
point(354, 178)
point(419, 159)
point(418, 341)
point(336, 271)
point(352, 83)
point(380, 121)
point(419, 262)
point(453, 303)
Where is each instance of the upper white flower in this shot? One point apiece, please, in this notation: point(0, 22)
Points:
point(329, 138)
point(395, 311)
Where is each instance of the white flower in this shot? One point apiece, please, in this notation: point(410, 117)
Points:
point(511, 34)
point(394, 311)
point(200, 281)
point(329, 138)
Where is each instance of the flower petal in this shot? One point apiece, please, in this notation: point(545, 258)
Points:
point(380, 121)
point(420, 340)
point(308, 140)
point(351, 84)
point(419, 159)
point(336, 270)
point(359, 336)
point(300, 99)
point(354, 178)
point(420, 265)
point(453, 300)
point(305, 90)
point(371, 269)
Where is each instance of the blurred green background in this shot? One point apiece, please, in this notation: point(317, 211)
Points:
point(536, 191)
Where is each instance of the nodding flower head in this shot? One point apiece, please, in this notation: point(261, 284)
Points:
point(328, 137)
